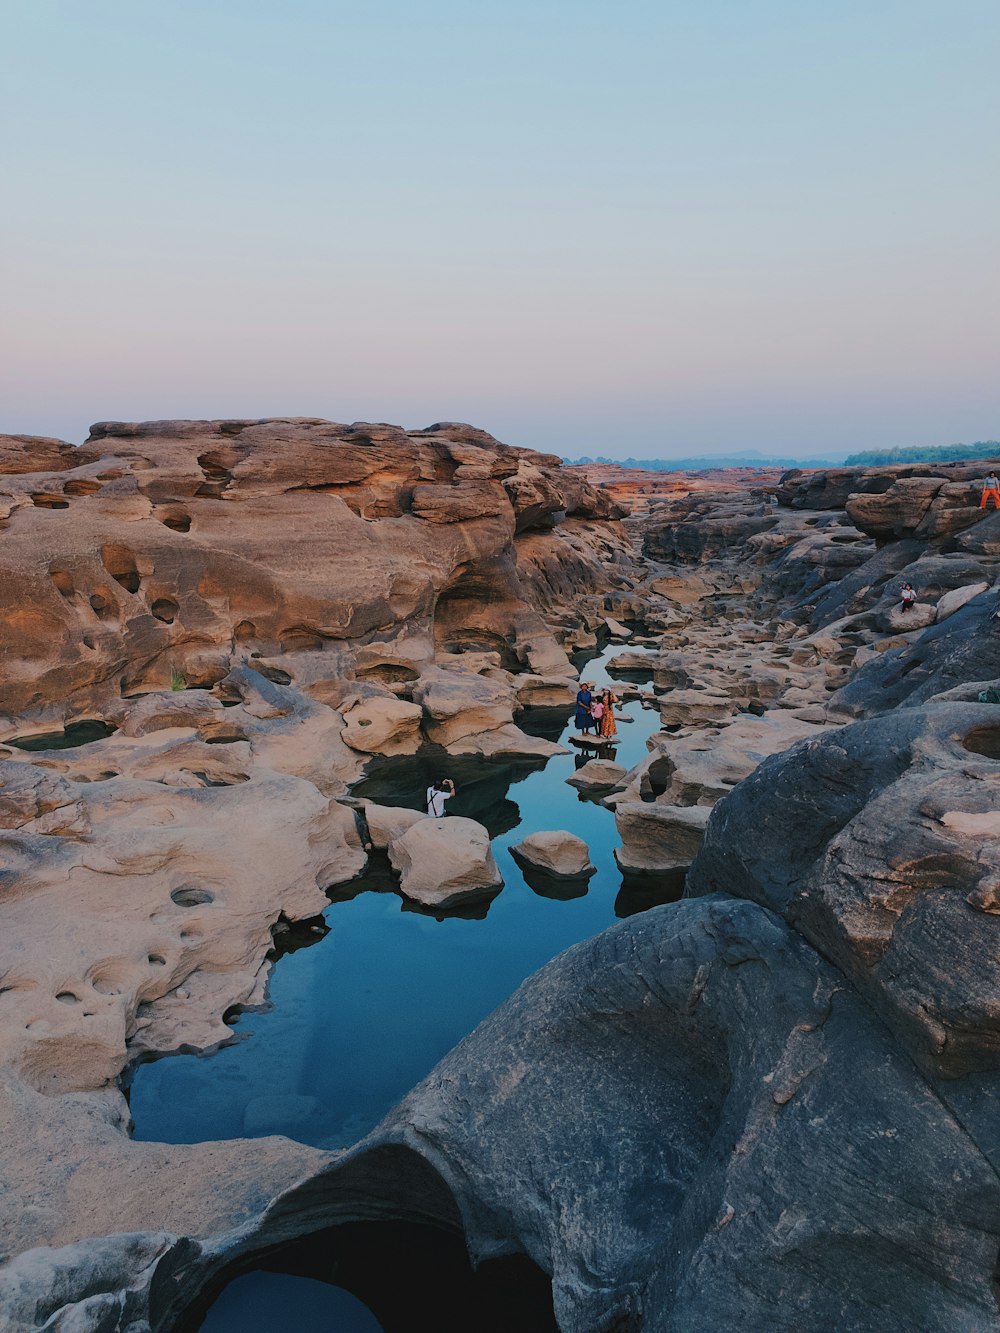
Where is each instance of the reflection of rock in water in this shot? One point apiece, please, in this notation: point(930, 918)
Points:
point(548, 723)
point(548, 886)
point(639, 893)
point(433, 1283)
point(481, 785)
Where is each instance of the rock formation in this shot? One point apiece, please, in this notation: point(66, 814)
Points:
point(771, 1104)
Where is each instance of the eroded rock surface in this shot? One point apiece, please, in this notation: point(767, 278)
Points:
point(772, 1104)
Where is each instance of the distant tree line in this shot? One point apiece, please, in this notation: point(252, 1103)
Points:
point(941, 453)
point(701, 462)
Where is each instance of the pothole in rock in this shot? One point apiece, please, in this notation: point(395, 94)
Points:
point(165, 609)
point(177, 521)
point(336, 1279)
point(75, 734)
point(190, 895)
point(984, 741)
point(119, 561)
point(49, 502)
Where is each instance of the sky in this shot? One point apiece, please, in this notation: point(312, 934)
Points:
point(649, 228)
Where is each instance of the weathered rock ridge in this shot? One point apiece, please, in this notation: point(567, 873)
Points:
point(770, 1104)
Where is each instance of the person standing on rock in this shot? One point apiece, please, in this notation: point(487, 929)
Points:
point(608, 729)
point(583, 720)
point(909, 597)
point(597, 715)
point(991, 487)
point(437, 794)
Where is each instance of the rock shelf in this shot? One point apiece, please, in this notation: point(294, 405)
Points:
point(782, 1088)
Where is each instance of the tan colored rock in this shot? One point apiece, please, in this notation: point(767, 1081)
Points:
point(558, 853)
point(386, 823)
point(544, 691)
point(694, 708)
point(383, 726)
point(445, 861)
point(458, 705)
point(955, 599)
point(897, 621)
point(658, 837)
point(597, 775)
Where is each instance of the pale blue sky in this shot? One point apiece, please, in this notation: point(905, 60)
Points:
point(639, 228)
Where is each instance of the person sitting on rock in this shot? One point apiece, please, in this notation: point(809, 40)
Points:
point(909, 597)
point(583, 721)
point(991, 487)
point(437, 793)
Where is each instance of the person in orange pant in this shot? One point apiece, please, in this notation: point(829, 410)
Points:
point(991, 487)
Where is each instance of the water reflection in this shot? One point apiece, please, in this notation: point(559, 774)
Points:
point(362, 1015)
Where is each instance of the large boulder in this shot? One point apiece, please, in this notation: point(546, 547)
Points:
point(445, 861)
point(656, 838)
point(893, 871)
point(386, 823)
point(383, 726)
point(560, 854)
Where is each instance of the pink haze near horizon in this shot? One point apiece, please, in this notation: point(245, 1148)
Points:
point(647, 229)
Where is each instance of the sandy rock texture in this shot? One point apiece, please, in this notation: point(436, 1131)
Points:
point(445, 861)
point(244, 614)
point(317, 548)
point(771, 1104)
point(559, 854)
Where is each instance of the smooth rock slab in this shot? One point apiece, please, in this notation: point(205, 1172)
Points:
point(445, 861)
point(659, 837)
point(597, 775)
point(559, 854)
point(386, 823)
point(383, 726)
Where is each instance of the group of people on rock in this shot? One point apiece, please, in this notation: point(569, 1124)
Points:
point(595, 713)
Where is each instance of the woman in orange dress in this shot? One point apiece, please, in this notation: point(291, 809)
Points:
point(608, 728)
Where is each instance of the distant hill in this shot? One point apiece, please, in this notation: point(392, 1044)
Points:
point(697, 463)
point(941, 453)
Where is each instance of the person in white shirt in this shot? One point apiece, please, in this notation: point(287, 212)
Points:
point(437, 794)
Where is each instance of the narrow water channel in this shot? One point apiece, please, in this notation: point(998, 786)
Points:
point(365, 1012)
point(380, 994)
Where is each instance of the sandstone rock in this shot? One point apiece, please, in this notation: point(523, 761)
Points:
point(544, 691)
point(957, 598)
point(597, 775)
point(185, 708)
point(616, 629)
point(386, 823)
point(657, 837)
point(897, 621)
point(446, 861)
point(458, 705)
point(693, 708)
point(383, 726)
point(559, 854)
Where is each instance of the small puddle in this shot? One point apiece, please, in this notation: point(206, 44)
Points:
point(363, 1014)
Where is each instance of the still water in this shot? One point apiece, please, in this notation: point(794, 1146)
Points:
point(364, 1013)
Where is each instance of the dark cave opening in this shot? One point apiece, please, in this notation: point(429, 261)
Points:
point(409, 1276)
